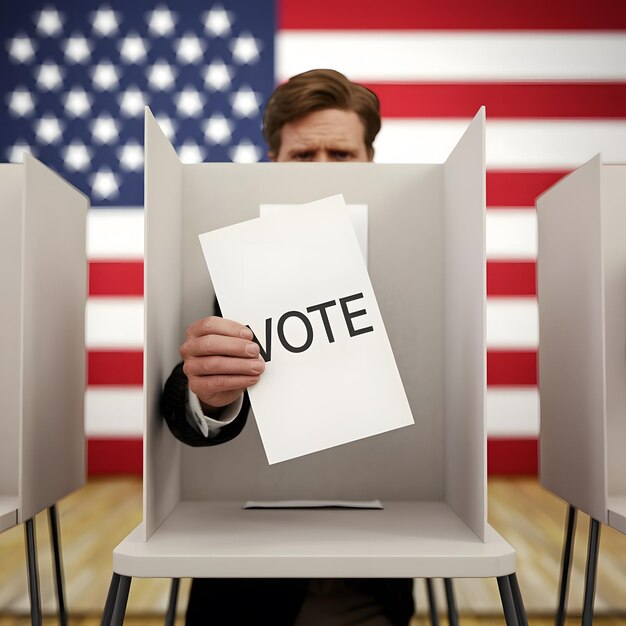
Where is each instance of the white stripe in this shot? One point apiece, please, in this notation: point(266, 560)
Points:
point(510, 144)
point(114, 323)
point(512, 323)
point(511, 234)
point(114, 411)
point(115, 233)
point(512, 412)
point(450, 56)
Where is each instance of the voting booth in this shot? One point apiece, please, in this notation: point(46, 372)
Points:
point(581, 277)
point(43, 286)
point(426, 261)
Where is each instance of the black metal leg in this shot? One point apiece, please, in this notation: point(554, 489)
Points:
point(566, 565)
point(33, 572)
point(522, 618)
point(591, 571)
point(508, 604)
point(432, 602)
point(453, 614)
point(119, 610)
point(170, 616)
point(58, 562)
point(107, 612)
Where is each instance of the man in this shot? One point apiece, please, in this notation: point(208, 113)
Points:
point(317, 116)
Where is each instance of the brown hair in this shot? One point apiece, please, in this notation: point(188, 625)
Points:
point(316, 90)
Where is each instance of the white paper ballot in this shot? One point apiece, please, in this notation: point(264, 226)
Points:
point(298, 279)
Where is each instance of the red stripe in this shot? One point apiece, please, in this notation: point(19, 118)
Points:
point(512, 368)
point(518, 188)
point(115, 367)
point(114, 456)
point(452, 15)
point(503, 100)
point(511, 278)
point(125, 456)
point(512, 457)
point(116, 278)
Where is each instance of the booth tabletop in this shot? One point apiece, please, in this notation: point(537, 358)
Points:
point(405, 539)
point(8, 512)
point(617, 513)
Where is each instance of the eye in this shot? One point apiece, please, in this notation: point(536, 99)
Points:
point(305, 155)
point(341, 155)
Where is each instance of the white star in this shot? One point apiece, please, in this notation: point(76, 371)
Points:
point(49, 76)
point(245, 102)
point(49, 22)
point(245, 152)
point(161, 21)
point(105, 22)
point(161, 76)
point(131, 156)
point(246, 49)
point(189, 102)
point(217, 129)
point(77, 102)
point(21, 49)
point(217, 76)
point(104, 184)
point(77, 157)
point(105, 76)
point(77, 49)
point(190, 152)
point(21, 102)
point(104, 129)
point(217, 21)
point(167, 126)
point(132, 102)
point(133, 48)
point(48, 129)
point(15, 154)
point(189, 49)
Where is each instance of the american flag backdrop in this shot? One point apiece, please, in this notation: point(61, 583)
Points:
point(76, 75)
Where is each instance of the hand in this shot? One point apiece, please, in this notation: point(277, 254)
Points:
point(220, 361)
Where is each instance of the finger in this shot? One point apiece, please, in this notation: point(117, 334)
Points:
point(223, 366)
point(208, 386)
point(214, 325)
point(219, 345)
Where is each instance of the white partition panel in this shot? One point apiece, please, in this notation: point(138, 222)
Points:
point(163, 326)
point(53, 383)
point(11, 227)
point(465, 343)
point(573, 461)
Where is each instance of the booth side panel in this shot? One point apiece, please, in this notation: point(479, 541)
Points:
point(11, 229)
point(614, 256)
point(55, 291)
point(571, 331)
point(162, 304)
point(465, 347)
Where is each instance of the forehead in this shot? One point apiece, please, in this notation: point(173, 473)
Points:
point(328, 125)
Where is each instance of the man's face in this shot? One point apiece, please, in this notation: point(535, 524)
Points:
point(329, 135)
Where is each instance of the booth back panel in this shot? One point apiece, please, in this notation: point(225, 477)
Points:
point(613, 238)
point(571, 326)
point(55, 288)
point(406, 268)
point(465, 344)
point(11, 227)
point(162, 310)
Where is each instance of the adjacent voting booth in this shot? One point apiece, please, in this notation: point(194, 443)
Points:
point(43, 286)
point(582, 360)
point(426, 261)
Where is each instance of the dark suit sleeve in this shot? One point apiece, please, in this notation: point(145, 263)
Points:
point(173, 410)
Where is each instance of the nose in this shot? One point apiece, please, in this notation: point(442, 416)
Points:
point(322, 156)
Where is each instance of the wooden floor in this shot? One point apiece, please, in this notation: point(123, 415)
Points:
point(96, 518)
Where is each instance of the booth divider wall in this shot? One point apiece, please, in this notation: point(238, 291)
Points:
point(582, 363)
point(43, 281)
point(427, 266)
